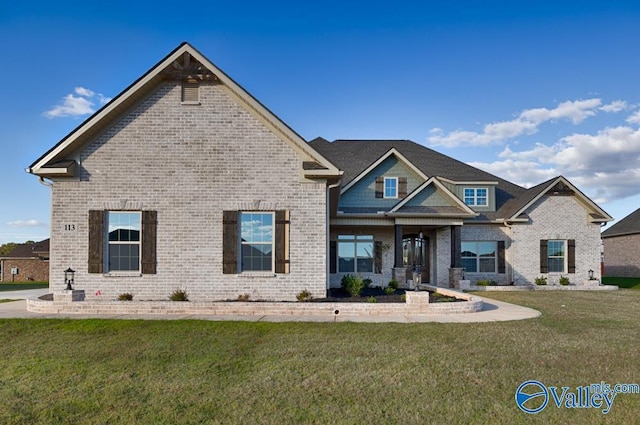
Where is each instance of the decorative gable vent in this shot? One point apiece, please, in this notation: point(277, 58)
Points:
point(190, 92)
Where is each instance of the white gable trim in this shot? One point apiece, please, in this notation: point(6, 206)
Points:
point(140, 87)
point(435, 182)
point(370, 168)
point(581, 196)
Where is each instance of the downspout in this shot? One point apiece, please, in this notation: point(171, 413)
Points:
point(328, 236)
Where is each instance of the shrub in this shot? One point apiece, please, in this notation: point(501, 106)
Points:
point(304, 296)
point(179, 295)
point(394, 284)
point(403, 297)
point(564, 281)
point(486, 282)
point(372, 299)
point(352, 284)
point(540, 280)
point(244, 297)
point(367, 282)
point(389, 290)
point(125, 297)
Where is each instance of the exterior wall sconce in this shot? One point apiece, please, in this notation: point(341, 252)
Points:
point(68, 278)
point(590, 274)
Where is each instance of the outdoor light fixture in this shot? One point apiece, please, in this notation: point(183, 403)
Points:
point(68, 278)
point(421, 235)
point(590, 274)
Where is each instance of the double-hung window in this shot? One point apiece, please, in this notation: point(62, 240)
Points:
point(556, 256)
point(479, 257)
point(355, 254)
point(476, 197)
point(256, 240)
point(391, 187)
point(124, 229)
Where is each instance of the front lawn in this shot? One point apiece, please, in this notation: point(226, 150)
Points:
point(20, 286)
point(166, 372)
point(623, 282)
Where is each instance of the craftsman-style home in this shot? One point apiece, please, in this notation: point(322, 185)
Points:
point(184, 180)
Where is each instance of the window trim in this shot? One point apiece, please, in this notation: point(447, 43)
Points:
point(352, 238)
point(272, 243)
point(474, 198)
point(395, 188)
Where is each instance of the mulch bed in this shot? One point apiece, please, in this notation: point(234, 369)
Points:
point(342, 296)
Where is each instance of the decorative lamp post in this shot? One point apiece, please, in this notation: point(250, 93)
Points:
point(590, 274)
point(68, 278)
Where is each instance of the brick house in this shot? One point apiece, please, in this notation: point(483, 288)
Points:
point(26, 263)
point(185, 180)
point(621, 247)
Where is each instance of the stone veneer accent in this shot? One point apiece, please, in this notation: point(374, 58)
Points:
point(189, 163)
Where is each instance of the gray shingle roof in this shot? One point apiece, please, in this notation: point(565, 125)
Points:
point(354, 156)
point(627, 226)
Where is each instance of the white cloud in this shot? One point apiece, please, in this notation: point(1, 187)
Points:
point(526, 123)
point(26, 223)
point(634, 118)
point(78, 104)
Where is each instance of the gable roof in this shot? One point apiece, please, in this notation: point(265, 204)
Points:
point(184, 61)
point(627, 226)
point(30, 250)
point(456, 207)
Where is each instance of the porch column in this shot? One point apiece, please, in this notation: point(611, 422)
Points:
point(398, 246)
point(456, 249)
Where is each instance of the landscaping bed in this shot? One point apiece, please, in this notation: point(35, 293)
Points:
point(368, 294)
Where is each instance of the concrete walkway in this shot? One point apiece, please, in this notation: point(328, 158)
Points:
point(493, 311)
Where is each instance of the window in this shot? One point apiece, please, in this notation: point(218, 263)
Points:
point(130, 241)
point(256, 240)
point(124, 240)
point(556, 256)
point(476, 197)
point(355, 254)
point(390, 187)
point(479, 257)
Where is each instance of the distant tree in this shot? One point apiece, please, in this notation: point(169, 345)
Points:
point(7, 248)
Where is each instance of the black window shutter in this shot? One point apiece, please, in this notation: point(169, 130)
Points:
point(333, 256)
point(282, 241)
point(402, 187)
point(96, 241)
point(544, 257)
point(149, 237)
point(571, 252)
point(230, 242)
point(501, 257)
point(379, 187)
point(377, 249)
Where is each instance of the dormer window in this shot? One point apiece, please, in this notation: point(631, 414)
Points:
point(391, 187)
point(476, 197)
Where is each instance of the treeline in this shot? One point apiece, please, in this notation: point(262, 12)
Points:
point(8, 247)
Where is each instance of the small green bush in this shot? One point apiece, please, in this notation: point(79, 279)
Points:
point(540, 281)
point(352, 284)
point(179, 295)
point(372, 299)
point(125, 297)
point(564, 281)
point(244, 297)
point(304, 296)
point(485, 282)
point(394, 284)
point(367, 282)
point(389, 290)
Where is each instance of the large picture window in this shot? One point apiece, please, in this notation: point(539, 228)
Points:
point(355, 254)
point(479, 257)
point(124, 229)
point(256, 240)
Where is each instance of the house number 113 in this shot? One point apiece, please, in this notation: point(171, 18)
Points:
point(69, 227)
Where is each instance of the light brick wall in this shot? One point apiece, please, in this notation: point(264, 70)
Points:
point(555, 217)
point(622, 256)
point(189, 163)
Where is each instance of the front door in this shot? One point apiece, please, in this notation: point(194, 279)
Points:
point(415, 255)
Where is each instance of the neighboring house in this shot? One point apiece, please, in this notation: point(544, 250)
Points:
point(622, 247)
point(184, 180)
point(27, 262)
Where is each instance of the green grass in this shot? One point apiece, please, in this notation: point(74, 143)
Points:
point(21, 286)
point(623, 282)
point(193, 372)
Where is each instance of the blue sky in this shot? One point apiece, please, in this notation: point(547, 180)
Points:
point(527, 90)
